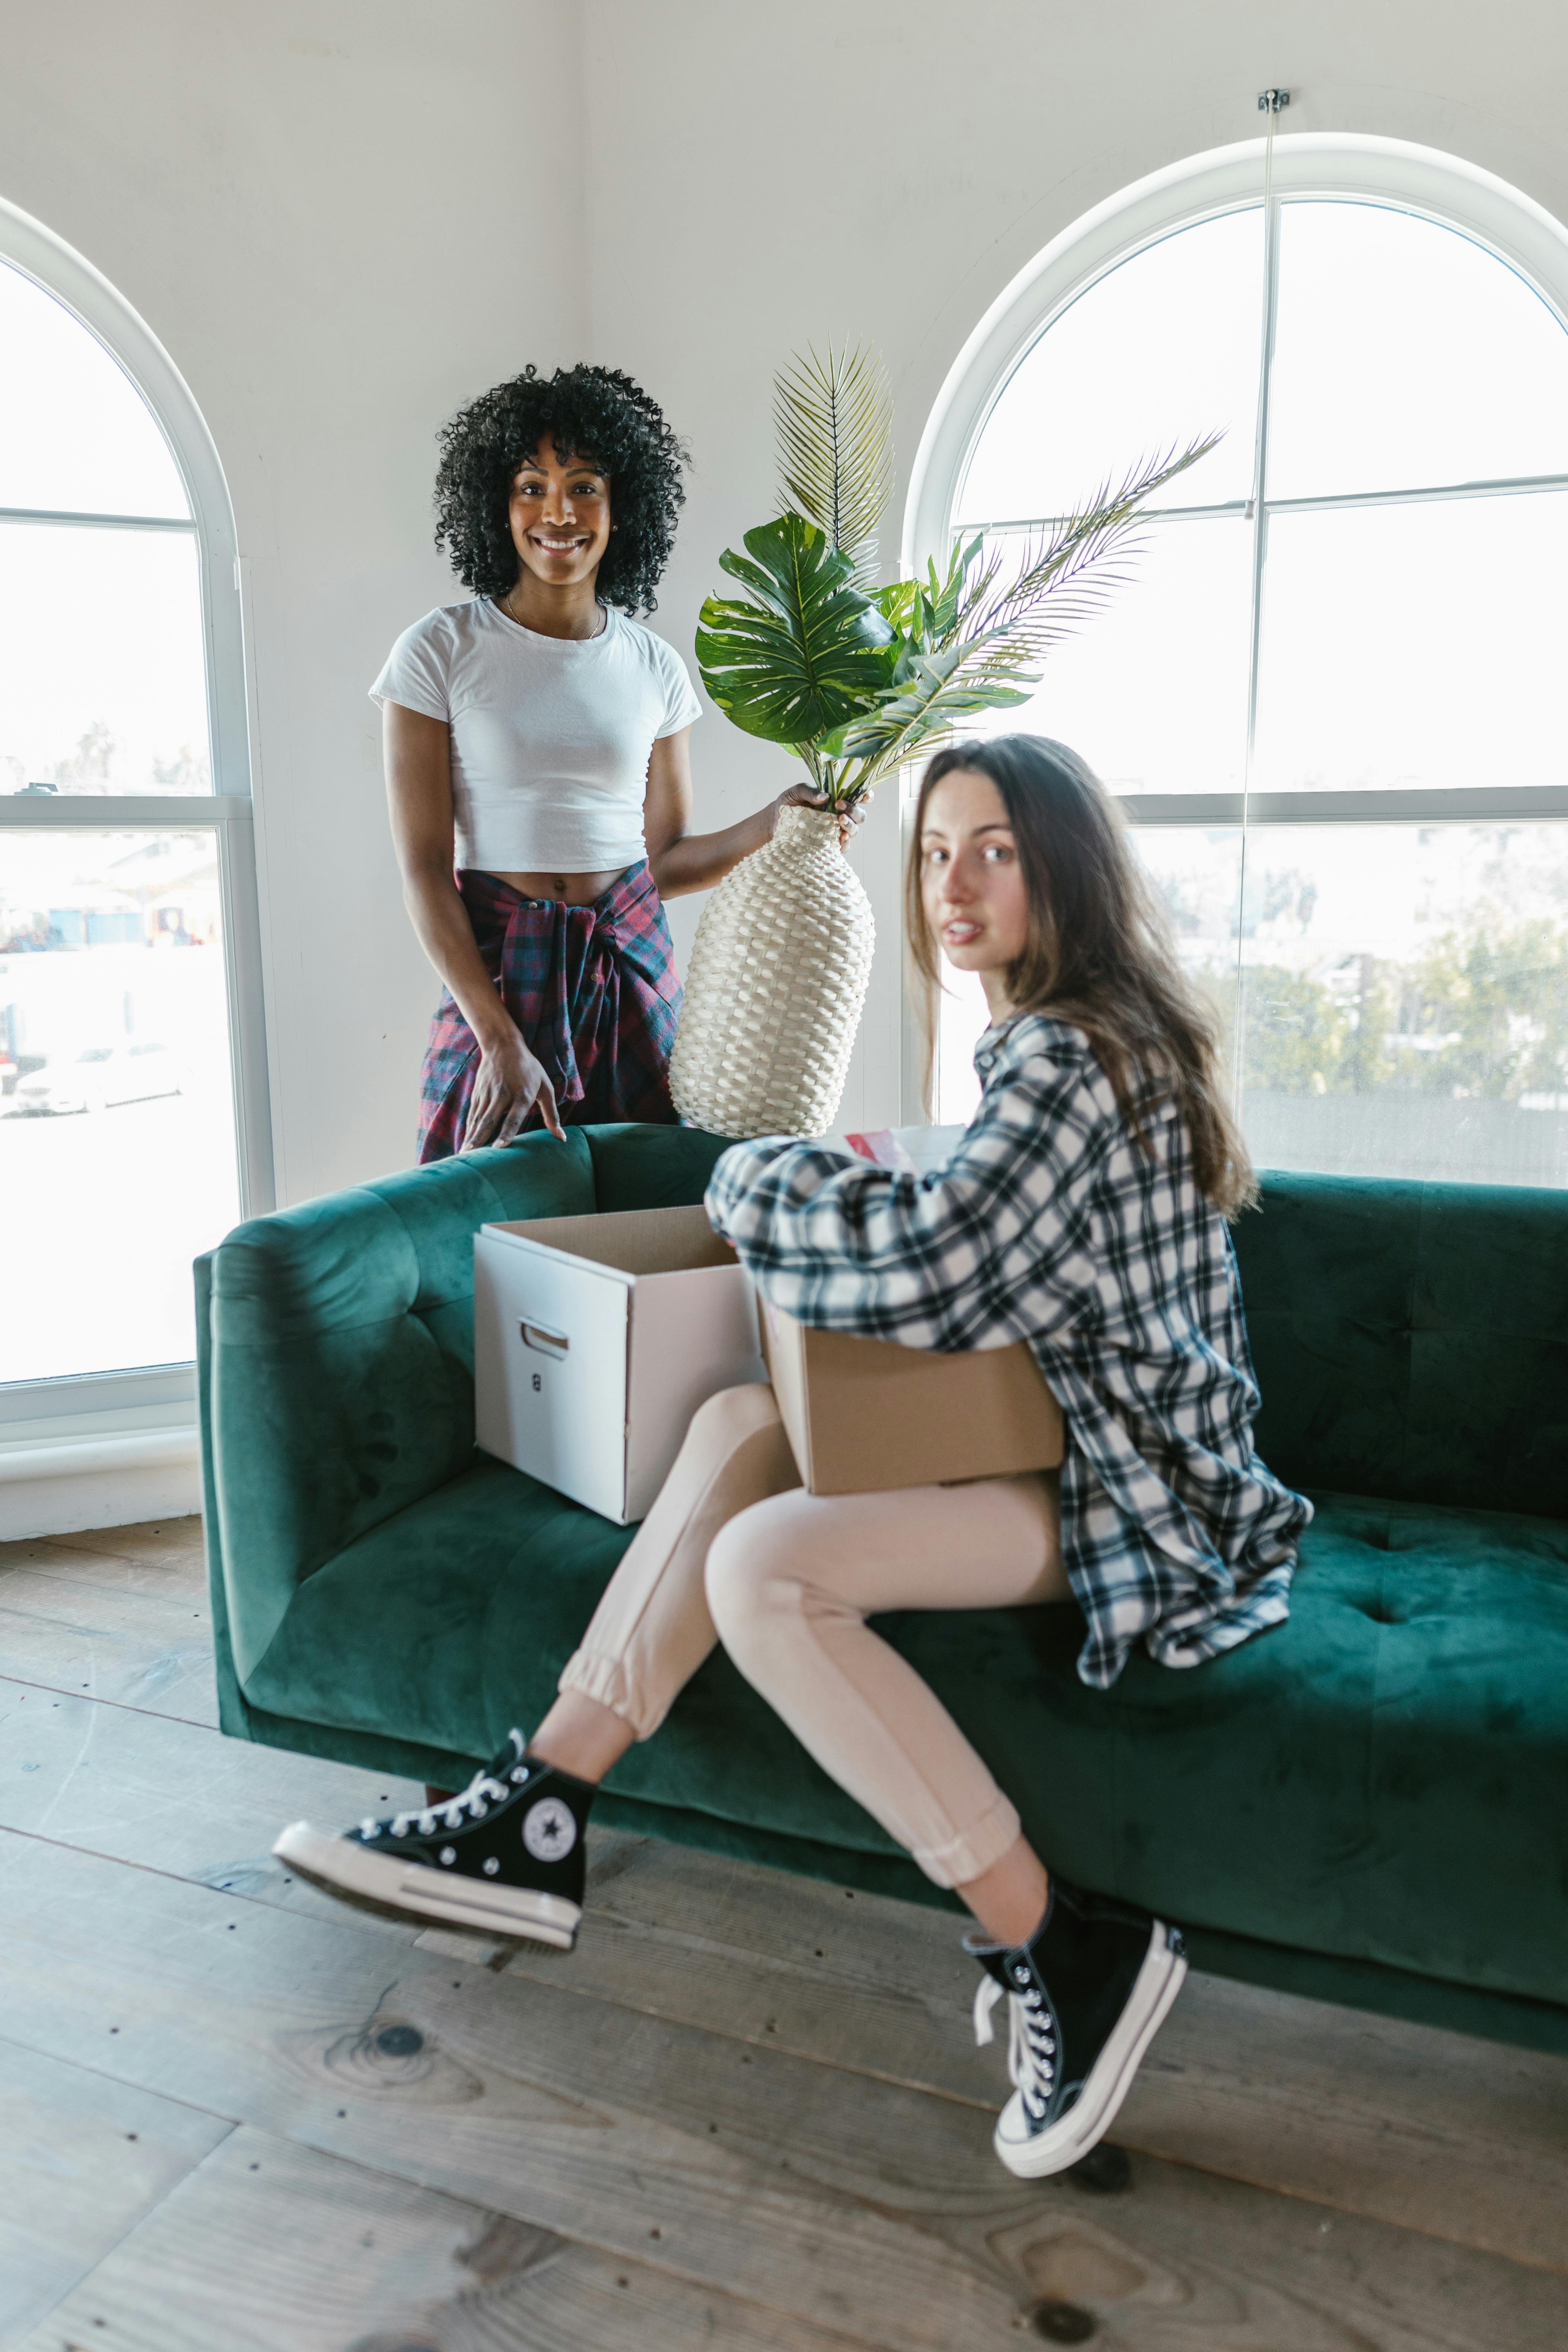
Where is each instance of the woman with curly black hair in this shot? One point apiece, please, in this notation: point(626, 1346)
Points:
point(537, 766)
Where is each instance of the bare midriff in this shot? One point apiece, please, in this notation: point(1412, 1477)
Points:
point(575, 890)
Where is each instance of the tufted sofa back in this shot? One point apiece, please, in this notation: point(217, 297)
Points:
point(1411, 1341)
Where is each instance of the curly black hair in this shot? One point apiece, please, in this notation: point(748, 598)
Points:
point(592, 412)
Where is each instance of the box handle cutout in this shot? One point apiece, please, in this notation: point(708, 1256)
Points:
point(544, 1341)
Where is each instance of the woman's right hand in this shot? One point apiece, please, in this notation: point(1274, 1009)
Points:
point(510, 1082)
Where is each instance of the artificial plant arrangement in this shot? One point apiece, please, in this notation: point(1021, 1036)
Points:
point(854, 679)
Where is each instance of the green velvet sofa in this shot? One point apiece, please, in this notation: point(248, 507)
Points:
point(1369, 1804)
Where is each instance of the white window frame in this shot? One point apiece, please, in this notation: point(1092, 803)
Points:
point(161, 1395)
point(1422, 180)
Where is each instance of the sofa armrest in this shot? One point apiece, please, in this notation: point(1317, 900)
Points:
point(337, 1369)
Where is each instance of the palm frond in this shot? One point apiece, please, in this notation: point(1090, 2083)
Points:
point(993, 624)
point(1074, 569)
point(937, 694)
point(834, 419)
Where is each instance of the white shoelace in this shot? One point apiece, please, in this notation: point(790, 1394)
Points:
point(483, 1790)
point(1032, 2072)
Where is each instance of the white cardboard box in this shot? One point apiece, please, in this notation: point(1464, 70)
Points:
point(595, 1339)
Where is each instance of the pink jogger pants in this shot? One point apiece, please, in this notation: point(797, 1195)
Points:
point(734, 1551)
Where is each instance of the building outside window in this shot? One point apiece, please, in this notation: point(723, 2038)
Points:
point(1330, 690)
point(132, 1108)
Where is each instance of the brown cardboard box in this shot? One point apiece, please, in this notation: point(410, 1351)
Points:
point(863, 1415)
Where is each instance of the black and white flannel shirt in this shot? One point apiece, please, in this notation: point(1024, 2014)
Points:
point(1051, 1225)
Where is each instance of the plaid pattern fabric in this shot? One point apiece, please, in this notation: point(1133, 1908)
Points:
point(594, 991)
point(1050, 1225)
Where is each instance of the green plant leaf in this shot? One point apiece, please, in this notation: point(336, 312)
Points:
point(945, 598)
point(834, 419)
point(808, 653)
point(932, 699)
point(898, 603)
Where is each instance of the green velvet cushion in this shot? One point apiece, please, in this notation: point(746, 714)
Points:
point(1411, 1339)
point(1370, 1780)
point(650, 1167)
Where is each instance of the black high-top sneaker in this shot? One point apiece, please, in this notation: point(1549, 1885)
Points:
point(506, 1854)
point(1087, 1994)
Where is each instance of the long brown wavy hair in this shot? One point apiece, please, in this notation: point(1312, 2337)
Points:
point(1099, 952)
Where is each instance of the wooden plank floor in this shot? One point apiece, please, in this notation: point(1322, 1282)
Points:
point(746, 2113)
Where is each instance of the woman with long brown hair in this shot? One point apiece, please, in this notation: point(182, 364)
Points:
point(1097, 952)
point(1084, 1212)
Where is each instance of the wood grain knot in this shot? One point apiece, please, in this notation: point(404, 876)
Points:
point(386, 2058)
point(1062, 2323)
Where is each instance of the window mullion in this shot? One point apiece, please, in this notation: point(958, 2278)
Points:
point(246, 1017)
point(1258, 511)
point(1445, 804)
point(1505, 486)
point(1256, 505)
point(72, 519)
point(1423, 494)
point(1020, 526)
point(26, 812)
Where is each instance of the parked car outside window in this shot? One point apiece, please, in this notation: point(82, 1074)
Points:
point(100, 1078)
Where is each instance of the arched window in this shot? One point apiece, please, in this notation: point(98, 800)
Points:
point(132, 1105)
point(1331, 690)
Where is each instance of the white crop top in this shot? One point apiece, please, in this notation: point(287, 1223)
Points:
point(551, 736)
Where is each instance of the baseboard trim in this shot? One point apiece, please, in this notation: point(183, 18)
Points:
point(67, 1485)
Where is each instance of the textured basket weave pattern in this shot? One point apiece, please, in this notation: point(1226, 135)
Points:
point(773, 990)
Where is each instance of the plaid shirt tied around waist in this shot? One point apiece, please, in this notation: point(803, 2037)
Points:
point(593, 992)
point(1051, 1225)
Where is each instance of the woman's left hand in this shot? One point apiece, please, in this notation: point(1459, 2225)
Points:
point(851, 814)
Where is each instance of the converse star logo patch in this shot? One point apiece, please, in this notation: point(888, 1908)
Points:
point(549, 1830)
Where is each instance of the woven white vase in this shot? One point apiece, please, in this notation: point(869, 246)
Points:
point(773, 990)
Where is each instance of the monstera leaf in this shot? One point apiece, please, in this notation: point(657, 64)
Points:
point(807, 651)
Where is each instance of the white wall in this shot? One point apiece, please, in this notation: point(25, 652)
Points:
point(340, 219)
point(343, 217)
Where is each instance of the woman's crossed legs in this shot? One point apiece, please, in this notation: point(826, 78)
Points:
point(734, 1551)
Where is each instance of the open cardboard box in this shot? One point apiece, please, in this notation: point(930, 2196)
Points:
point(866, 1414)
point(595, 1339)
